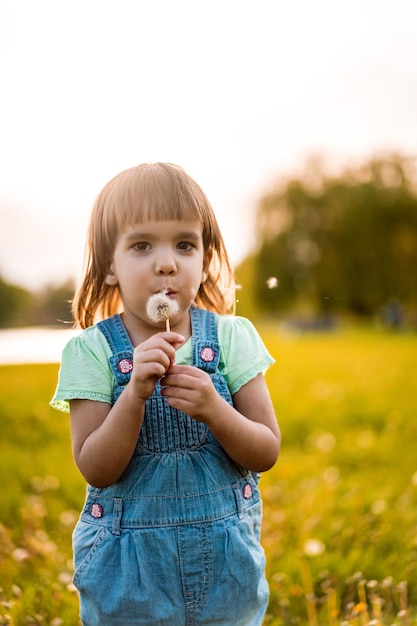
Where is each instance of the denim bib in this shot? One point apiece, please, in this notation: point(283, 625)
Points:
point(164, 428)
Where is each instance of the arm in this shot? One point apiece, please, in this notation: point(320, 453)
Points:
point(248, 431)
point(104, 436)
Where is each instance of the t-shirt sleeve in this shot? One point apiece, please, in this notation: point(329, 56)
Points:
point(244, 354)
point(85, 372)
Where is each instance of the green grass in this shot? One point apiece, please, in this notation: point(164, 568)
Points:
point(41, 496)
point(346, 482)
point(340, 507)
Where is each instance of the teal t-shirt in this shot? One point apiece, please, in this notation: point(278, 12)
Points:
point(85, 372)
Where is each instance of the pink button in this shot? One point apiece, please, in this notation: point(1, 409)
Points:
point(125, 366)
point(247, 491)
point(207, 355)
point(96, 510)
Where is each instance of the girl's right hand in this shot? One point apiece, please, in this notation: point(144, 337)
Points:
point(151, 360)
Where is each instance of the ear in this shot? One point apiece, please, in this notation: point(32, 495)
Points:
point(111, 277)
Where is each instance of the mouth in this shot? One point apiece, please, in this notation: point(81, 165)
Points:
point(169, 293)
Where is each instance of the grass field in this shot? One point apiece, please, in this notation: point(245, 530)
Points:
point(340, 507)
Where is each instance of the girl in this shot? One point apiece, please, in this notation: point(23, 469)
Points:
point(170, 427)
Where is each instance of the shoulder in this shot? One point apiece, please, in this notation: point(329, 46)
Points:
point(231, 327)
point(227, 327)
point(89, 342)
point(244, 354)
point(85, 372)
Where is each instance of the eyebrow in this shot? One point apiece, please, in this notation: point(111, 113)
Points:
point(186, 234)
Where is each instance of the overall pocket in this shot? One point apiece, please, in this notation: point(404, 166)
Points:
point(87, 542)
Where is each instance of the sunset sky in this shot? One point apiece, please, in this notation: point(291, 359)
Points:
point(238, 92)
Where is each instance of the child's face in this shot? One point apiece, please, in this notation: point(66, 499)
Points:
point(154, 256)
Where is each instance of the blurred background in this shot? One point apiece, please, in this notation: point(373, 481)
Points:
point(298, 119)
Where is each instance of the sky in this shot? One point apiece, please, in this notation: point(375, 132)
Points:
point(238, 92)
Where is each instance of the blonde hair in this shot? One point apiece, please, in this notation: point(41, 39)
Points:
point(154, 191)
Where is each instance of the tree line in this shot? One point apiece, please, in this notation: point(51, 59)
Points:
point(326, 244)
point(343, 243)
point(48, 306)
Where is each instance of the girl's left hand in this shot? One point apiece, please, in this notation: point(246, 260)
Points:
point(190, 389)
point(247, 430)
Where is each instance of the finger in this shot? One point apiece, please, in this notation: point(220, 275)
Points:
point(180, 398)
point(180, 380)
point(175, 339)
point(188, 370)
point(156, 355)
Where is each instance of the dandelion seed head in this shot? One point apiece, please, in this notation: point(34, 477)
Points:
point(372, 584)
point(313, 547)
point(272, 282)
point(65, 578)
point(160, 307)
point(20, 554)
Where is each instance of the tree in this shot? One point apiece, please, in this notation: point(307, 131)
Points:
point(13, 301)
point(20, 307)
point(54, 304)
point(345, 242)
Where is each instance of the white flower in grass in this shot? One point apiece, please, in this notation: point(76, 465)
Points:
point(20, 554)
point(313, 547)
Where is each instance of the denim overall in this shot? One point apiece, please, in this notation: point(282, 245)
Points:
point(175, 542)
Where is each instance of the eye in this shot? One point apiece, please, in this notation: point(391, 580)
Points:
point(142, 246)
point(185, 246)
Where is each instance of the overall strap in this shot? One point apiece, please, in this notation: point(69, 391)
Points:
point(206, 348)
point(115, 333)
point(121, 361)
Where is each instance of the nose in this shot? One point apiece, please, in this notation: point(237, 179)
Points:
point(165, 264)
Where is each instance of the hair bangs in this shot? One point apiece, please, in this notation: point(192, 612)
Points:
point(157, 191)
